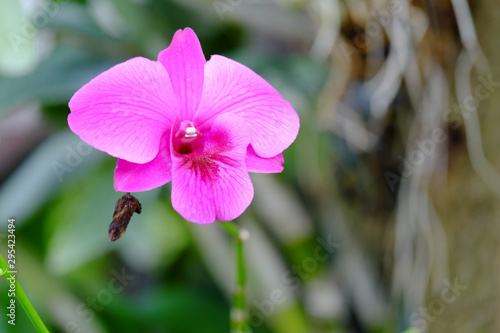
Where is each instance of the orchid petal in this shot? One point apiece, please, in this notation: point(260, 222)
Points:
point(214, 184)
point(230, 87)
point(184, 62)
point(255, 163)
point(125, 110)
point(134, 177)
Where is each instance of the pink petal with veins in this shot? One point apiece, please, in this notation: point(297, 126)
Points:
point(255, 163)
point(184, 62)
point(230, 87)
point(134, 177)
point(125, 110)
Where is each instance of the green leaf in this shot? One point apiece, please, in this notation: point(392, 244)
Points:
point(75, 18)
point(17, 55)
point(78, 222)
point(55, 80)
point(175, 309)
point(45, 170)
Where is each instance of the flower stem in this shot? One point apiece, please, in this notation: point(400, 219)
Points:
point(239, 315)
point(22, 298)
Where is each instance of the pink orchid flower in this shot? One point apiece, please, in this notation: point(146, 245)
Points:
point(204, 125)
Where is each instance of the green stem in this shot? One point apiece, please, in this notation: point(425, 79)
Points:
point(22, 298)
point(239, 315)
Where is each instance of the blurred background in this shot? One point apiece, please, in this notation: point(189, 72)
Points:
point(386, 216)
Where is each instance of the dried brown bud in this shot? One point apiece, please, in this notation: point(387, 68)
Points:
point(125, 207)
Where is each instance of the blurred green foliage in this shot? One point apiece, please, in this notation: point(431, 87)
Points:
point(64, 259)
point(181, 274)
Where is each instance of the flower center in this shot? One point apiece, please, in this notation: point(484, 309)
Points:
point(188, 139)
